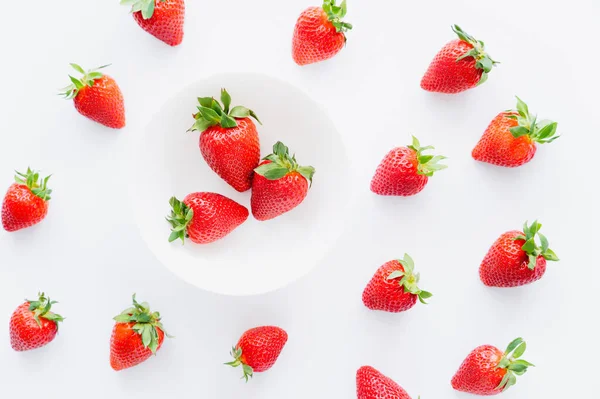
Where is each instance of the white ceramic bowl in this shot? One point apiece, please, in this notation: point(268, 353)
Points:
point(257, 257)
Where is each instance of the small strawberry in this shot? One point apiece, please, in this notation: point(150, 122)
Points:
point(371, 384)
point(163, 19)
point(460, 65)
point(228, 140)
point(138, 334)
point(394, 288)
point(405, 170)
point(510, 138)
point(97, 97)
point(258, 350)
point(33, 325)
point(280, 184)
point(26, 201)
point(488, 371)
point(320, 33)
point(515, 259)
point(204, 217)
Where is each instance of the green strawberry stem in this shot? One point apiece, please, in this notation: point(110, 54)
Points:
point(211, 113)
point(146, 7)
point(428, 164)
point(236, 353)
point(532, 249)
point(513, 365)
point(87, 79)
point(32, 180)
point(409, 280)
point(282, 164)
point(181, 216)
point(483, 60)
point(542, 132)
point(41, 308)
point(336, 14)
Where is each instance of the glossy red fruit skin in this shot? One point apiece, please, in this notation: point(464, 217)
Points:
point(387, 295)
point(505, 264)
point(21, 208)
point(26, 334)
point(446, 75)
point(232, 153)
point(499, 147)
point(478, 373)
point(166, 24)
point(371, 384)
point(126, 346)
point(315, 38)
point(261, 347)
point(397, 174)
point(102, 103)
point(215, 216)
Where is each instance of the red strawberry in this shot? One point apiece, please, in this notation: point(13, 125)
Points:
point(510, 139)
point(163, 19)
point(33, 325)
point(280, 184)
point(137, 335)
point(204, 217)
point(487, 371)
point(371, 384)
point(228, 140)
point(26, 201)
point(97, 97)
point(320, 33)
point(515, 258)
point(405, 170)
point(394, 288)
point(460, 65)
point(258, 350)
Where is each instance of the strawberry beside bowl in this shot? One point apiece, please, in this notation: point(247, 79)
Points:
point(256, 257)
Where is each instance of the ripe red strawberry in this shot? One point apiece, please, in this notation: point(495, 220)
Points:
point(258, 350)
point(228, 140)
point(510, 139)
point(33, 325)
point(488, 371)
point(515, 259)
point(460, 65)
point(204, 217)
point(163, 19)
point(371, 384)
point(405, 170)
point(394, 288)
point(97, 97)
point(280, 184)
point(138, 334)
point(320, 33)
point(26, 201)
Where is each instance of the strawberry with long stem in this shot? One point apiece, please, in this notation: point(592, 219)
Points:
point(33, 324)
point(26, 201)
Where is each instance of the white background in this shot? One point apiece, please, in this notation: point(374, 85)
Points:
point(88, 253)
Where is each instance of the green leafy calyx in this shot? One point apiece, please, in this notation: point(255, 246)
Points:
point(531, 248)
point(146, 323)
point(512, 364)
point(542, 132)
point(409, 280)
point(282, 163)
point(428, 164)
point(146, 7)
point(236, 353)
point(77, 84)
point(211, 113)
point(336, 14)
point(180, 217)
point(38, 187)
point(483, 60)
point(41, 309)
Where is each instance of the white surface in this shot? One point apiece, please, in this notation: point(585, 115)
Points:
point(89, 255)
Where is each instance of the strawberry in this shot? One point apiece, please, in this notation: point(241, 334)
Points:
point(488, 371)
point(204, 217)
point(371, 384)
point(510, 139)
point(320, 33)
point(228, 140)
point(258, 350)
point(460, 65)
point(138, 334)
point(405, 170)
point(33, 325)
point(97, 97)
point(280, 184)
point(163, 19)
point(515, 259)
point(26, 201)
